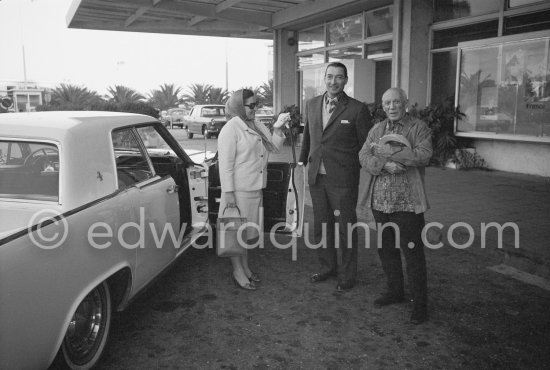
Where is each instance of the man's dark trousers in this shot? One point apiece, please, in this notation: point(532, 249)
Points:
point(410, 225)
point(327, 200)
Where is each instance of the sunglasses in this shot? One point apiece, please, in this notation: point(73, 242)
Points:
point(252, 105)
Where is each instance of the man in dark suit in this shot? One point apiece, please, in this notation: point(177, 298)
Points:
point(336, 127)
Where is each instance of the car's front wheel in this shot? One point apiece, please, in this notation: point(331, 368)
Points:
point(88, 331)
point(189, 134)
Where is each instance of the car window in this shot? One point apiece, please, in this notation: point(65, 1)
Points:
point(29, 170)
point(11, 152)
point(132, 165)
point(161, 154)
point(151, 138)
point(213, 111)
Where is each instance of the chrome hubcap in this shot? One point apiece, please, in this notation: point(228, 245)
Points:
point(86, 327)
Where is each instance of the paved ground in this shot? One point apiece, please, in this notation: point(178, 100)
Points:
point(195, 318)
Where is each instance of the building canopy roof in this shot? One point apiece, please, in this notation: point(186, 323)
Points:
point(227, 18)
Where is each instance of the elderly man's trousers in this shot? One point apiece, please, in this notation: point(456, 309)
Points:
point(409, 225)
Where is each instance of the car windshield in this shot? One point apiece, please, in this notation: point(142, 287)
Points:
point(29, 170)
point(213, 111)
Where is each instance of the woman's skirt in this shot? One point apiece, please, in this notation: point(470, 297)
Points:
point(250, 206)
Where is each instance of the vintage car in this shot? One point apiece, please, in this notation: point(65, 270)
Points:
point(206, 120)
point(85, 198)
point(93, 207)
point(175, 118)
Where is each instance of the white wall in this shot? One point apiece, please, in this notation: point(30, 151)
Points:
point(528, 158)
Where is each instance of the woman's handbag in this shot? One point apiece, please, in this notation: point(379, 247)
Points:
point(227, 232)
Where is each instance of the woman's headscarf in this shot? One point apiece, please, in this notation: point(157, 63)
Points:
point(234, 107)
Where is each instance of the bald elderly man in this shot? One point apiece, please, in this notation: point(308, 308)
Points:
point(394, 190)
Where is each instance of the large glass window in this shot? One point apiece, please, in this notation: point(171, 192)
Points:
point(313, 82)
point(378, 48)
point(516, 3)
point(379, 21)
point(353, 52)
point(311, 38)
point(29, 170)
point(537, 21)
point(505, 88)
point(451, 9)
point(444, 77)
point(308, 60)
point(345, 30)
point(452, 36)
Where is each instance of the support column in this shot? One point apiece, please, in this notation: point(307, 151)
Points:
point(412, 48)
point(285, 81)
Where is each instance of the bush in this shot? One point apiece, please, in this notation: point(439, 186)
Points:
point(294, 124)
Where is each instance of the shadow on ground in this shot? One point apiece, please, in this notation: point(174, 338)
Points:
point(195, 318)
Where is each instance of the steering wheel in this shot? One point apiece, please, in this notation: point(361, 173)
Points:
point(31, 161)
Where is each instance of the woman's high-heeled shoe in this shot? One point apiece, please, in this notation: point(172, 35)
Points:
point(255, 278)
point(247, 286)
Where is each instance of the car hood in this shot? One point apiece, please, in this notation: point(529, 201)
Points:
point(16, 216)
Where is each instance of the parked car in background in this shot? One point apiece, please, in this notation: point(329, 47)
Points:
point(175, 117)
point(164, 119)
point(74, 186)
point(206, 120)
point(265, 116)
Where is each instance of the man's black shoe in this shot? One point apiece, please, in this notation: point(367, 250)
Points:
point(387, 299)
point(315, 278)
point(419, 316)
point(342, 287)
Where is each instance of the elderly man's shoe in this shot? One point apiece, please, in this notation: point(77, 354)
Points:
point(419, 316)
point(318, 277)
point(388, 299)
point(345, 286)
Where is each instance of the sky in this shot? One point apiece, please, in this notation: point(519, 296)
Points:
point(55, 54)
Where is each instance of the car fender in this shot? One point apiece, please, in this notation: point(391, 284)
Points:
point(108, 273)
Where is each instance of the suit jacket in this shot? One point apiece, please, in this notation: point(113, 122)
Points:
point(339, 143)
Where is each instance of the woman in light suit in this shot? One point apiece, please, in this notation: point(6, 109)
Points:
point(243, 152)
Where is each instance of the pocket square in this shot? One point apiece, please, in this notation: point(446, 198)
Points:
point(344, 121)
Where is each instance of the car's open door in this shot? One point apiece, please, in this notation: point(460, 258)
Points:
point(283, 198)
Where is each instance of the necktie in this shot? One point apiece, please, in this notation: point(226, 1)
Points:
point(332, 104)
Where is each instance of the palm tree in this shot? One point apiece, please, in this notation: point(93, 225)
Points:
point(197, 94)
point(166, 97)
point(75, 97)
point(122, 95)
point(265, 92)
point(255, 90)
point(217, 95)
